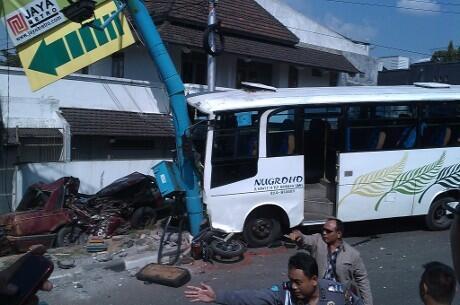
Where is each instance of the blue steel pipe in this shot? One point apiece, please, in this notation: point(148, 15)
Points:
point(175, 87)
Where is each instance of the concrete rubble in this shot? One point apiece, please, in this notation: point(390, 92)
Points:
point(124, 252)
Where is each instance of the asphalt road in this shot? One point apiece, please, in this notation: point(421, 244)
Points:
point(393, 251)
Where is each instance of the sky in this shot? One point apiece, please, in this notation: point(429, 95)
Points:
point(391, 26)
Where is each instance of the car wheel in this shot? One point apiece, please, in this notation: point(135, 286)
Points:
point(260, 231)
point(68, 236)
point(143, 217)
point(437, 217)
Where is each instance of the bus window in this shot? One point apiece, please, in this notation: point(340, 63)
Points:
point(442, 124)
point(377, 127)
point(235, 147)
point(281, 134)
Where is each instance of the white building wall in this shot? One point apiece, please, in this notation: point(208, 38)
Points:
point(26, 109)
point(93, 175)
point(28, 112)
point(393, 62)
point(306, 79)
point(139, 66)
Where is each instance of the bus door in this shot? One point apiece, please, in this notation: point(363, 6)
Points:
point(321, 147)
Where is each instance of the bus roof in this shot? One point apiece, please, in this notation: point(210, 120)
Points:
point(239, 100)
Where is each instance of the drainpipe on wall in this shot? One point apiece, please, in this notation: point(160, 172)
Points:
point(66, 155)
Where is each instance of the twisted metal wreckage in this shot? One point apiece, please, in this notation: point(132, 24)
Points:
point(56, 214)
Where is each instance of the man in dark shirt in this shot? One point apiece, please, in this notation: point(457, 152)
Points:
point(437, 285)
point(455, 239)
point(303, 288)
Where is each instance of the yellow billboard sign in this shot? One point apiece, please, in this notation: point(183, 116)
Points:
point(72, 47)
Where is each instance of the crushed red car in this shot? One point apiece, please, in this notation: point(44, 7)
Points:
point(56, 213)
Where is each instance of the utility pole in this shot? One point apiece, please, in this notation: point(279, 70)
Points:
point(212, 19)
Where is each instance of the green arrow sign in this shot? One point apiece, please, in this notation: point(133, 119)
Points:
point(49, 57)
point(71, 46)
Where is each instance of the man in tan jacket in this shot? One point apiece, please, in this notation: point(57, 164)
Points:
point(336, 259)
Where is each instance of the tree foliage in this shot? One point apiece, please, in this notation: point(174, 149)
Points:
point(450, 55)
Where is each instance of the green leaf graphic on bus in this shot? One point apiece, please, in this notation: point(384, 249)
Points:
point(377, 182)
point(415, 180)
point(449, 177)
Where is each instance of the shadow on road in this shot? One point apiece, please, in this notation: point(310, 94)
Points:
point(372, 228)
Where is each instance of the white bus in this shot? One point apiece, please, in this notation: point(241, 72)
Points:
point(278, 158)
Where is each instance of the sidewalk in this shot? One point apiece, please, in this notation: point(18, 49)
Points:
point(124, 252)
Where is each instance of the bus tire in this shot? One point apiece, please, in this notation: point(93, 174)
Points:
point(437, 218)
point(261, 230)
point(227, 249)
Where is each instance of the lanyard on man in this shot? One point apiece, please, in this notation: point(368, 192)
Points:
point(331, 262)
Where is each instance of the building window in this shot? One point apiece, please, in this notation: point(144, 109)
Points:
point(118, 63)
point(333, 78)
point(316, 72)
point(293, 81)
point(194, 65)
point(252, 71)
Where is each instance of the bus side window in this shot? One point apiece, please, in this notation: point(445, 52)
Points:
point(437, 136)
point(281, 131)
point(377, 139)
point(235, 148)
point(408, 136)
point(455, 138)
point(443, 124)
point(380, 127)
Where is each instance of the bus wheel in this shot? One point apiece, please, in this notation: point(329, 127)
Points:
point(260, 231)
point(437, 217)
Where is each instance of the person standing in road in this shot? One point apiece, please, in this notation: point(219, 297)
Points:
point(455, 238)
point(336, 259)
point(437, 285)
point(303, 288)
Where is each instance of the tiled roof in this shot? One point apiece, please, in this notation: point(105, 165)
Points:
point(242, 17)
point(258, 49)
point(117, 123)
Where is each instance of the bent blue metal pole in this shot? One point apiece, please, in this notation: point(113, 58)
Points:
point(175, 88)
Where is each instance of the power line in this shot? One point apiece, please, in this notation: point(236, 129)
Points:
point(399, 49)
point(370, 43)
point(394, 6)
point(431, 2)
